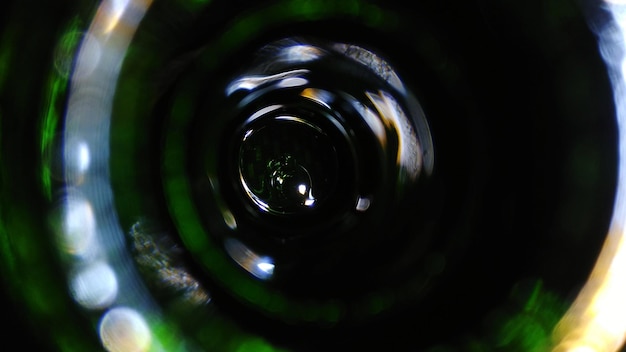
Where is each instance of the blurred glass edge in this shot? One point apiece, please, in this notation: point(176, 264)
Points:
point(31, 298)
point(595, 322)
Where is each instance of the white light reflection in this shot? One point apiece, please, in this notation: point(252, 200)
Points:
point(261, 112)
point(116, 10)
point(363, 204)
point(415, 154)
point(266, 267)
point(596, 321)
point(77, 233)
point(76, 159)
point(91, 51)
point(617, 2)
point(410, 152)
point(320, 96)
point(95, 286)
point(256, 199)
point(261, 267)
point(252, 82)
point(121, 16)
point(291, 82)
point(301, 53)
point(583, 349)
point(123, 329)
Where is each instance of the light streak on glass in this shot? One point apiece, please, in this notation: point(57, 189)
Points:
point(319, 96)
point(252, 82)
point(302, 53)
point(291, 82)
point(409, 153)
point(77, 159)
point(261, 267)
point(596, 321)
point(363, 204)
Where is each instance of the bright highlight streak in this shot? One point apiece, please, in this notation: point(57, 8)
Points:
point(290, 82)
point(596, 322)
point(116, 10)
point(260, 267)
point(372, 120)
point(302, 53)
point(77, 160)
point(266, 267)
point(363, 204)
point(409, 154)
point(252, 82)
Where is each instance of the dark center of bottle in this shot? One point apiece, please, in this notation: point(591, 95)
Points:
point(287, 165)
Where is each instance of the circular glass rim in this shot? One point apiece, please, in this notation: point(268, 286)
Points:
point(597, 313)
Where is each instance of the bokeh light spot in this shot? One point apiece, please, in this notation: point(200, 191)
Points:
point(123, 329)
